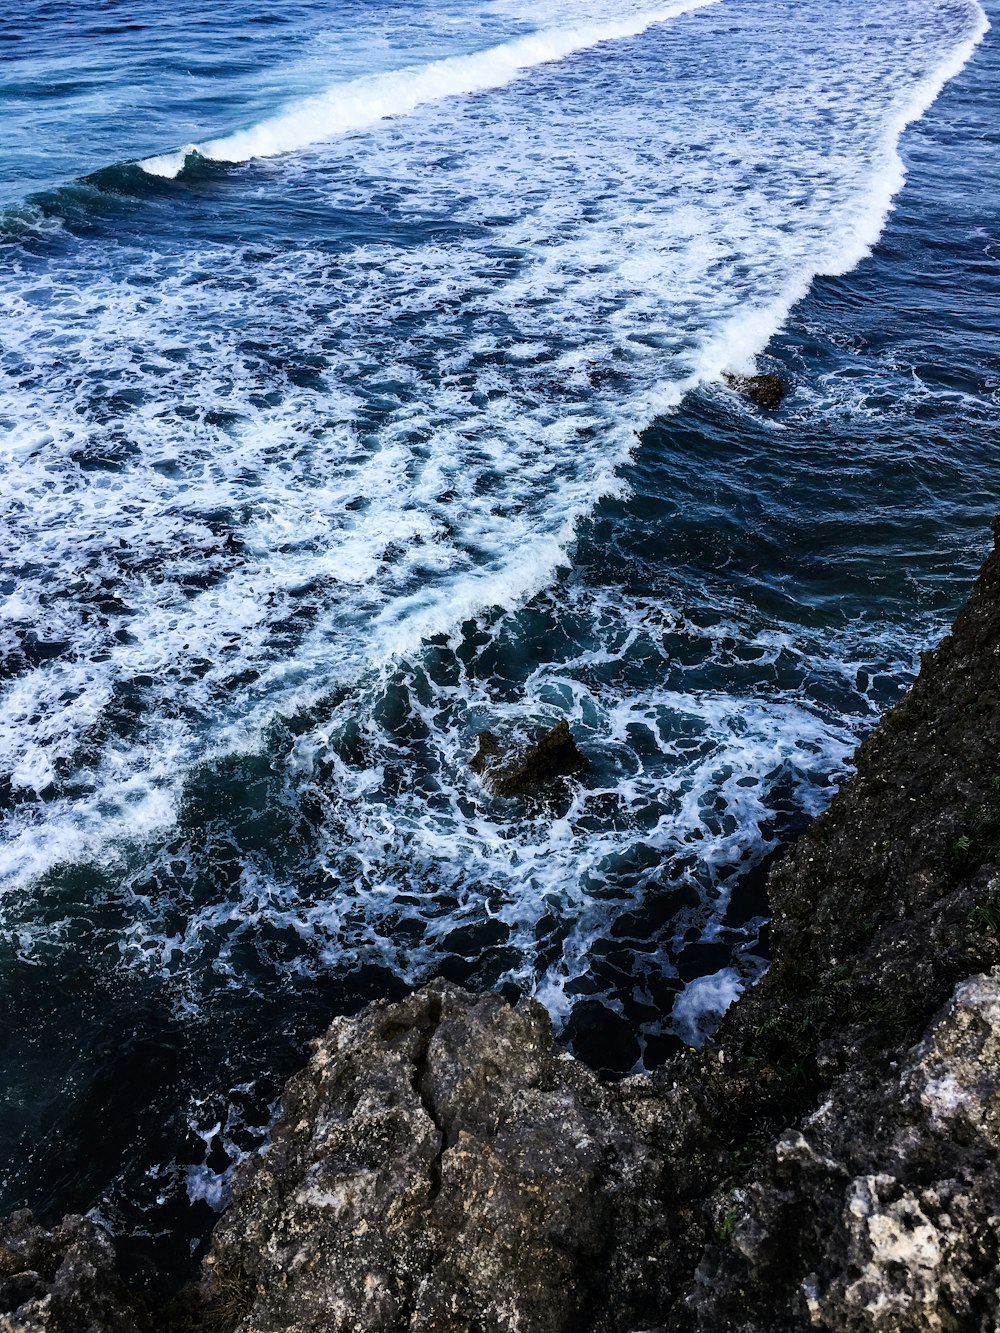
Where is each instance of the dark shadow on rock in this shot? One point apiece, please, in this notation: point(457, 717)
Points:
point(554, 756)
point(62, 1281)
point(764, 390)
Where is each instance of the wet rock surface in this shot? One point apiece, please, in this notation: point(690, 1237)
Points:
point(766, 391)
point(555, 755)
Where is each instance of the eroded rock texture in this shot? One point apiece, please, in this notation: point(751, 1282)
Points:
point(881, 1209)
point(439, 1165)
point(62, 1281)
point(889, 903)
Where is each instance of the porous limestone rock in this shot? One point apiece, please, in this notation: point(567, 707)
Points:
point(62, 1281)
point(880, 1212)
point(439, 1165)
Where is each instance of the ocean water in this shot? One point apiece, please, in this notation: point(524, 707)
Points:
point(360, 389)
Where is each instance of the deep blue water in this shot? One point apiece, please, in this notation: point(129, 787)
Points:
point(361, 388)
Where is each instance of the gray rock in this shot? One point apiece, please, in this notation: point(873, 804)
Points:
point(62, 1281)
point(439, 1165)
point(880, 1212)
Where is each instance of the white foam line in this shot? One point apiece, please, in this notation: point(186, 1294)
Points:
point(366, 101)
point(888, 184)
point(75, 830)
point(737, 344)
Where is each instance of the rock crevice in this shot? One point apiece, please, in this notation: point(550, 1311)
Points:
point(446, 1116)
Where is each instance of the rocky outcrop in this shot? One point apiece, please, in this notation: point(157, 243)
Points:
point(554, 755)
point(62, 1281)
point(892, 897)
point(440, 1165)
point(765, 390)
point(879, 1211)
point(881, 913)
point(826, 1163)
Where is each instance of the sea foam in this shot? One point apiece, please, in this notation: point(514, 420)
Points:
point(365, 101)
point(301, 488)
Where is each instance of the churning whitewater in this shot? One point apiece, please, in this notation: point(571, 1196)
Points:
point(363, 102)
point(389, 409)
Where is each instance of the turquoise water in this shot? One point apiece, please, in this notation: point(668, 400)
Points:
point(361, 388)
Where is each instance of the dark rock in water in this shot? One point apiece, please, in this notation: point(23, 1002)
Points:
point(490, 752)
point(439, 1165)
point(62, 1281)
point(764, 390)
point(555, 755)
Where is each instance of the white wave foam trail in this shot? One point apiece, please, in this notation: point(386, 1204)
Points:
point(365, 101)
point(242, 476)
point(890, 176)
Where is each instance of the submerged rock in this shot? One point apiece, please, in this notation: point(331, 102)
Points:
point(490, 752)
point(555, 755)
point(764, 390)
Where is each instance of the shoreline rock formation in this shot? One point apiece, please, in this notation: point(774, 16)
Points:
point(830, 1161)
point(554, 755)
point(766, 391)
point(62, 1281)
point(440, 1165)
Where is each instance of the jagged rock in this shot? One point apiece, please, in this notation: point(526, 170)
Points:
point(62, 1281)
point(892, 897)
point(881, 1211)
point(764, 390)
point(490, 752)
point(440, 1166)
point(555, 755)
point(887, 904)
